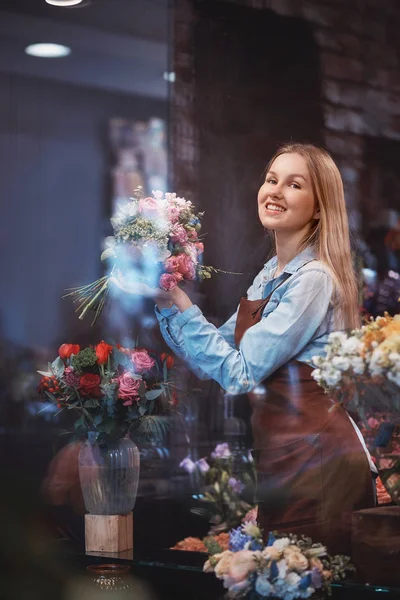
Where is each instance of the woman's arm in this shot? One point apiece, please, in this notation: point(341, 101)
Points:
point(266, 346)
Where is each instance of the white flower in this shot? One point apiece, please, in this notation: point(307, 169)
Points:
point(252, 529)
point(340, 362)
point(337, 337)
point(282, 568)
point(357, 364)
point(281, 543)
point(158, 194)
point(292, 580)
point(394, 357)
point(332, 377)
point(394, 377)
point(317, 375)
point(318, 361)
point(351, 345)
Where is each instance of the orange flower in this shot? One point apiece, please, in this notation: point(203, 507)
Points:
point(126, 351)
point(65, 350)
point(103, 351)
point(170, 361)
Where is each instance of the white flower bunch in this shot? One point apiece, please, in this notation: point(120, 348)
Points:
point(369, 356)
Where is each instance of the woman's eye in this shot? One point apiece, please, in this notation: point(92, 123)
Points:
point(271, 180)
point(295, 185)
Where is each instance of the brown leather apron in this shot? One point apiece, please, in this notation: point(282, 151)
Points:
point(311, 468)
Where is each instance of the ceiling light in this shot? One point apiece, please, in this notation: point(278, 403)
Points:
point(63, 2)
point(169, 76)
point(47, 50)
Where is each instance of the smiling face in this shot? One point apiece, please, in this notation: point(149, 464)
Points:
point(286, 201)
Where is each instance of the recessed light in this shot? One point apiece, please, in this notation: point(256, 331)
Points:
point(63, 2)
point(47, 50)
point(169, 76)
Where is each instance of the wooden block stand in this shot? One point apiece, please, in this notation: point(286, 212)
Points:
point(108, 533)
point(376, 545)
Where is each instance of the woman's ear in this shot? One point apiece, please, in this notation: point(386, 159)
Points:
point(317, 214)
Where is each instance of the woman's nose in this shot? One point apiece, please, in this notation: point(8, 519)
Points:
point(276, 192)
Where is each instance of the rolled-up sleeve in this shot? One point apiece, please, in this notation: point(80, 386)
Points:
point(277, 338)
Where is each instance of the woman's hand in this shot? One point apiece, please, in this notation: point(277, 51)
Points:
point(163, 298)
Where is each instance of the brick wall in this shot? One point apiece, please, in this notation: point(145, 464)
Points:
point(359, 45)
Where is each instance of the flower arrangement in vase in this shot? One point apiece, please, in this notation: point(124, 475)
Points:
point(119, 396)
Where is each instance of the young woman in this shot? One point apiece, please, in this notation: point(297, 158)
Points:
point(313, 468)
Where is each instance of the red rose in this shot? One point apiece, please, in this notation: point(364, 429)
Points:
point(65, 350)
point(168, 359)
point(89, 385)
point(103, 351)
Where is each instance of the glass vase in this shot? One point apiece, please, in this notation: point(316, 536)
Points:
point(109, 475)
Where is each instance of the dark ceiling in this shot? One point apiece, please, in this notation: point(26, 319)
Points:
point(120, 45)
point(144, 18)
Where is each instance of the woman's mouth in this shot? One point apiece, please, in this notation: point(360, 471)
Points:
point(275, 208)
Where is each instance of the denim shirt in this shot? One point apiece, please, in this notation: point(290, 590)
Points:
point(295, 324)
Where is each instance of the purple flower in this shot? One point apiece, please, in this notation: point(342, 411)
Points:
point(71, 378)
point(316, 578)
point(221, 451)
point(203, 465)
point(236, 485)
point(188, 465)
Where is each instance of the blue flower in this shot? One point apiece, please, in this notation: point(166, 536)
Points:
point(305, 582)
point(271, 539)
point(274, 572)
point(263, 586)
point(238, 540)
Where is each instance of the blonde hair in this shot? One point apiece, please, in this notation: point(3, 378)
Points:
point(329, 235)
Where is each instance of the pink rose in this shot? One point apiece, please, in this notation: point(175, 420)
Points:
point(168, 281)
point(190, 273)
point(173, 213)
point(193, 235)
point(240, 566)
point(185, 264)
point(199, 247)
point(178, 276)
point(149, 207)
point(128, 388)
point(142, 361)
point(171, 264)
point(373, 423)
point(179, 234)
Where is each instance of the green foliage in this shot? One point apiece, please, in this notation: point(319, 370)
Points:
point(84, 359)
point(212, 545)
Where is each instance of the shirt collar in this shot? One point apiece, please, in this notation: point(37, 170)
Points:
point(297, 262)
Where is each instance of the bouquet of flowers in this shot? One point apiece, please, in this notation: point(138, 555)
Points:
point(113, 390)
point(363, 368)
point(223, 481)
point(287, 567)
point(156, 241)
